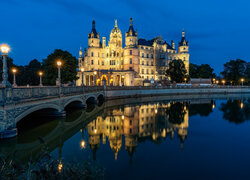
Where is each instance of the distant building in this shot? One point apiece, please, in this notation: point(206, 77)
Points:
point(114, 65)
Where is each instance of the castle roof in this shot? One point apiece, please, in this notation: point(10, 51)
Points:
point(158, 39)
point(183, 40)
point(116, 30)
point(93, 31)
point(131, 30)
point(145, 42)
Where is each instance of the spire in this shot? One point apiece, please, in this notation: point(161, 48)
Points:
point(116, 23)
point(80, 52)
point(183, 39)
point(131, 31)
point(93, 33)
point(183, 33)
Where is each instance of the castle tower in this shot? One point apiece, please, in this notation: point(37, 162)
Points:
point(183, 45)
point(115, 37)
point(183, 51)
point(93, 37)
point(131, 55)
point(80, 59)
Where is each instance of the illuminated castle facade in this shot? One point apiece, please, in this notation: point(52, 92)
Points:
point(114, 65)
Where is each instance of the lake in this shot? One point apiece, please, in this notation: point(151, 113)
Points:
point(204, 138)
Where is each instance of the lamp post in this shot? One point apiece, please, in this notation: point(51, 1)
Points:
point(214, 80)
point(14, 70)
point(40, 75)
point(185, 79)
point(223, 82)
point(59, 64)
point(242, 81)
point(95, 77)
point(82, 70)
point(4, 48)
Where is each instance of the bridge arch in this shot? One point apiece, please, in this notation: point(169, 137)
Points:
point(37, 108)
point(100, 99)
point(77, 100)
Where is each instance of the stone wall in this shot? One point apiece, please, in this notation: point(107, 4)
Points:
point(113, 93)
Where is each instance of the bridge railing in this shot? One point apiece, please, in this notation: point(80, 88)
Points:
point(23, 93)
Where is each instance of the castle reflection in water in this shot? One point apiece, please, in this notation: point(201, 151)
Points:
point(138, 123)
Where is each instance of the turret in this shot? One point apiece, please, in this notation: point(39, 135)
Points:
point(131, 52)
point(173, 44)
point(80, 59)
point(104, 42)
point(183, 45)
point(115, 37)
point(80, 52)
point(93, 37)
point(131, 36)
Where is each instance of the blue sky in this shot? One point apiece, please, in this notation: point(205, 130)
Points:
point(217, 30)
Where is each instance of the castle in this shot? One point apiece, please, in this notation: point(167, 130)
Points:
point(139, 60)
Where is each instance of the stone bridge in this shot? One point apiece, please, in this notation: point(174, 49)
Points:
point(17, 103)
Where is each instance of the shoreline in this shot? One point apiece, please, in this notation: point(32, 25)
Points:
point(112, 93)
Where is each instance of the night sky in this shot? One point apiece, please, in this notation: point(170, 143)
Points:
point(217, 30)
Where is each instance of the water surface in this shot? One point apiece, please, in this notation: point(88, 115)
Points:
point(167, 139)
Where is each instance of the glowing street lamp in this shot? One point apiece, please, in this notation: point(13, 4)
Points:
point(242, 81)
point(214, 80)
point(40, 73)
point(4, 48)
point(223, 82)
point(95, 73)
point(59, 64)
point(185, 79)
point(82, 70)
point(14, 71)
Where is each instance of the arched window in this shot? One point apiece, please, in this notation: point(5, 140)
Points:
point(92, 54)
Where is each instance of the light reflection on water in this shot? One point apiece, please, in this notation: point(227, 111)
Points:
point(167, 139)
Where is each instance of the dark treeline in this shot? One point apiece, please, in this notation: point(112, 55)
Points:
point(28, 74)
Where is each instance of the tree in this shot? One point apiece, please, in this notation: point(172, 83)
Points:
point(202, 71)
point(176, 71)
point(29, 74)
point(205, 71)
point(193, 70)
point(68, 69)
point(234, 70)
